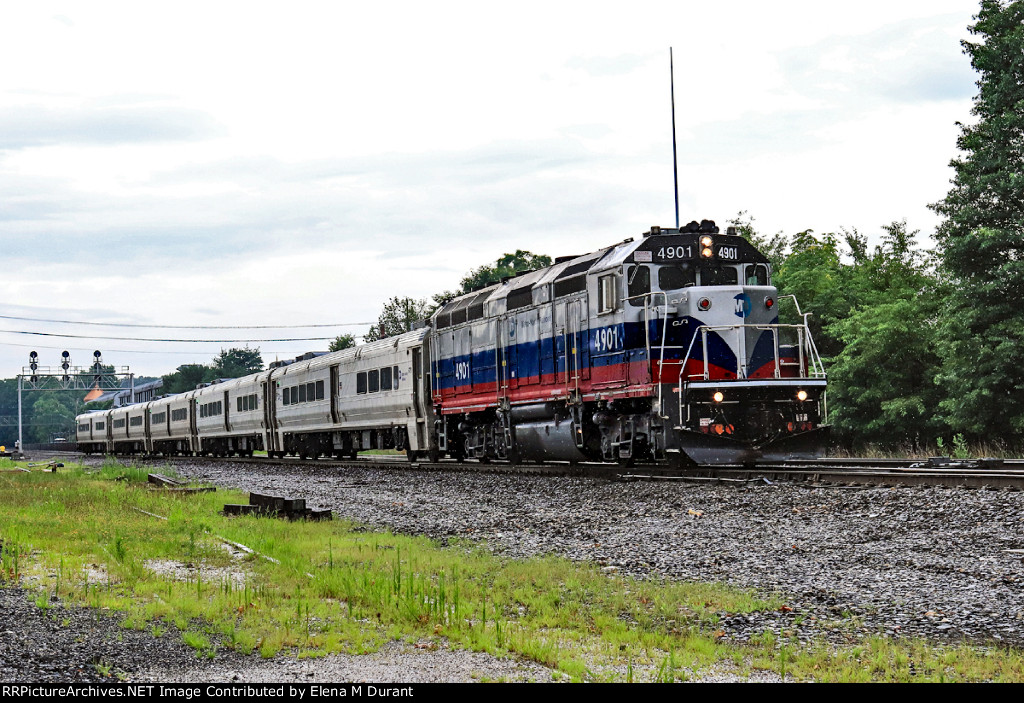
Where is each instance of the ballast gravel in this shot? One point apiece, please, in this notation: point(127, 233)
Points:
point(944, 564)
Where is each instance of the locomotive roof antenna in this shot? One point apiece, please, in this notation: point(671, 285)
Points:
point(675, 167)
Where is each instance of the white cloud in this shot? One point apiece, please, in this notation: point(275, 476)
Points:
point(207, 164)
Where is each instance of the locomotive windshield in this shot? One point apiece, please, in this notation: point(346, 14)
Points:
point(677, 276)
point(685, 274)
point(686, 259)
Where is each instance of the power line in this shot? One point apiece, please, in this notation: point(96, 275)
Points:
point(184, 327)
point(128, 351)
point(156, 339)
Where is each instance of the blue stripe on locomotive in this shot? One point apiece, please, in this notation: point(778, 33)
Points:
point(546, 357)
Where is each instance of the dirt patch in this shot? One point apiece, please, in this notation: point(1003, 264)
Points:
point(195, 571)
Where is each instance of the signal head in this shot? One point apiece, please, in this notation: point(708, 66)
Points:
point(65, 354)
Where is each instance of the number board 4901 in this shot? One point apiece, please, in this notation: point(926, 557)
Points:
point(688, 251)
point(729, 253)
point(680, 248)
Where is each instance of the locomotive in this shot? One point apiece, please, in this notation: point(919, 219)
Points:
point(666, 349)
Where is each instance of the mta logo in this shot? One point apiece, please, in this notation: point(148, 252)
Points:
point(742, 305)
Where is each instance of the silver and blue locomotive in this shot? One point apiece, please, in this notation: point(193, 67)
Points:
point(666, 349)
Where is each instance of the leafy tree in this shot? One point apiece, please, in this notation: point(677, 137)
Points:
point(882, 386)
point(981, 238)
point(9, 411)
point(235, 362)
point(507, 265)
point(397, 317)
point(774, 247)
point(814, 273)
point(187, 377)
point(50, 416)
point(482, 276)
point(342, 341)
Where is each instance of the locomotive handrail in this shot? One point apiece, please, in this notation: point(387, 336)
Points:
point(808, 354)
point(648, 304)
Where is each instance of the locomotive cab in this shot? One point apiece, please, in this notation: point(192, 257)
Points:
point(736, 384)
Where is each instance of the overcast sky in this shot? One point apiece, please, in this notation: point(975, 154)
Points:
point(270, 164)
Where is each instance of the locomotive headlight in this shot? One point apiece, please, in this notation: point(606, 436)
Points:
point(706, 241)
point(801, 396)
point(706, 252)
point(719, 396)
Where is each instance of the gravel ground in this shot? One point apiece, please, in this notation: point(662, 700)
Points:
point(946, 564)
point(67, 644)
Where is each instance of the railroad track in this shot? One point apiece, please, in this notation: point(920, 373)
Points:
point(939, 471)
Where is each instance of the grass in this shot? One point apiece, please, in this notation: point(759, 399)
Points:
point(332, 587)
point(955, 447)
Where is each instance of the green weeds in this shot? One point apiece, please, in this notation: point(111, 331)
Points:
point(327, 587)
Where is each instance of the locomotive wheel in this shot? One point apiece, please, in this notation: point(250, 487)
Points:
point(412, 454)
point(434, 454)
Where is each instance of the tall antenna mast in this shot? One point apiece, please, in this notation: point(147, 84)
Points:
point(675, 168)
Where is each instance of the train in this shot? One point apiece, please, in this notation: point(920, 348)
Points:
point(664, 349)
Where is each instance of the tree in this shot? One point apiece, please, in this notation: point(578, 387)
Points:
point(50, 417)
point(235, 362)
point(397, 317)
point(881, 384)
point(342, 341)
point(814, 273)
point(774, 247)
point(981, 238)
point(506, 265)
point(186, 378)
point(482, 276)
